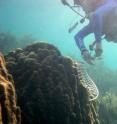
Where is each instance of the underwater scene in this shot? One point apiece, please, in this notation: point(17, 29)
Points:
point(58, 62)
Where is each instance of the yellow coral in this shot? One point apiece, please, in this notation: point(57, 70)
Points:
point(9, 112)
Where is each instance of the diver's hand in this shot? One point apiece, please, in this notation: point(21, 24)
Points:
point(98, 49)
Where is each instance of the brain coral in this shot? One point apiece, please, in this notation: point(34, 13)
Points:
point(47, 90)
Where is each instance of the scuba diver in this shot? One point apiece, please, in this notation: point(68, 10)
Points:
point(96, 20)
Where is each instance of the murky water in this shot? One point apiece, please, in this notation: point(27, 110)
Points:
point(49, 21)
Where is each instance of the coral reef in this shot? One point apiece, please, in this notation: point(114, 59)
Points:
point(9, 112)
point(7, 42)
point(47, 89)
point(25, 40)
point(104, 84)
point(108, 108)
point(108, 92)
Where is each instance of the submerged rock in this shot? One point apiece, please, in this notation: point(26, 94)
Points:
point(9, 111)
point(47, 89)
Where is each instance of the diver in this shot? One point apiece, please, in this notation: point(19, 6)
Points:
point(96, 20)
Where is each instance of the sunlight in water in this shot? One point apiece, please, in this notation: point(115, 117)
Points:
point(49, 20)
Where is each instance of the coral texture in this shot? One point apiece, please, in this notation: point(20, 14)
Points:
point(9, 112)
point(108, 108)
point(47, 89)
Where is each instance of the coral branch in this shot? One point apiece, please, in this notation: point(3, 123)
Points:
point(9, 112)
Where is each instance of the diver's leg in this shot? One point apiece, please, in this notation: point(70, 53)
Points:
point(80, 36)
point(97, 25)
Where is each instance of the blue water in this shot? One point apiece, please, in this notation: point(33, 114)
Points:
point(49, 20)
